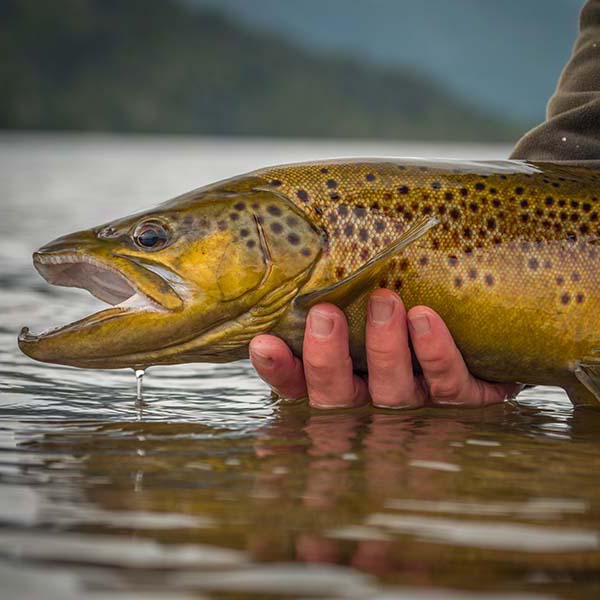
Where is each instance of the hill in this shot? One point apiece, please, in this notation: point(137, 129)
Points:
point(503, 56)
point(158, 65)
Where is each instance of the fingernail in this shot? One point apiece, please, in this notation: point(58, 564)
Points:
point(260, 359)
point(419, 323)
point(321, 324)
point(381, 309)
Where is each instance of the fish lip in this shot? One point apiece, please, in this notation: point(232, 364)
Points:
point(49, 265)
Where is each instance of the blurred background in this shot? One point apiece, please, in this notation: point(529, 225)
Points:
point(459, 70)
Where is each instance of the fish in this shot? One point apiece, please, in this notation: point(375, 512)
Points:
point(505, 251)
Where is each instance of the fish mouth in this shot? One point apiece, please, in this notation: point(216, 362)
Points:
point(102, 280)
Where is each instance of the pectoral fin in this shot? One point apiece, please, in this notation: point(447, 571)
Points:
point(344, 292)
point(587, 372)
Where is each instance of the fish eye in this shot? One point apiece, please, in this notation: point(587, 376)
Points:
point(151, 236)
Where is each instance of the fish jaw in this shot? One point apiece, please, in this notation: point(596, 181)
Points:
point(141, 301)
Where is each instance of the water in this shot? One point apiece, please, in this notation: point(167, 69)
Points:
point(208, 489)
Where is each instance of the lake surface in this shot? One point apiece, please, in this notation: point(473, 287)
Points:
point(211, 490)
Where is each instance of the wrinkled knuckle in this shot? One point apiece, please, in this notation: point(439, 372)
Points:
point(317, 363)
point(445, 391)
point(438, 364)
point(381, 354)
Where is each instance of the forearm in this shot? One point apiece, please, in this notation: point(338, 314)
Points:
point(571, 132)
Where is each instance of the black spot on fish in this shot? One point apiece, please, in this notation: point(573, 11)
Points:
point(276, 227)
point(491, 223)
point(574, 204)
point(448, 195)
point(524, 203)
point(370, 177)
point(250, 243)
point(574, 217)
point(489, 279)
point(342, 210)
point(379, 226)
point(549, 201)
point(464, 192)
point(363, 235)
point(579, 298)
point(560, 280)
point(234, 216)
point(474, 206)
point(479, 186)
point(334, 196)
point(496, 202)
point(423, 261)
point(188, 220)
point(455, 214)
point(473, 273)
point(318, 210)
point(244, 233)
point(222, 225)
point(331, 183)
point(302, 195)
point(305, 252)
point(349, 229)
point(274, 210)
point(458, 281)
point(575, 276)
point(324, 170)
point(442, 209)
point(565, 298)
point(275, 182)
point(586, 207)
point(562, 202)
point(293, 239)
point(524, 217)
point(360, 211)
point(340, 271)
point(292, 221)
point(436, 185)
point(533, 264)
point(584, 229)
point(239, 205)
point(408, 215)
point(452, 260)
point(403, 189)
point(519, 190)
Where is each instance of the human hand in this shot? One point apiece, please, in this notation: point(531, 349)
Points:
point(326, 374)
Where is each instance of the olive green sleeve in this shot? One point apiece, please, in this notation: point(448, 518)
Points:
point(571, 132)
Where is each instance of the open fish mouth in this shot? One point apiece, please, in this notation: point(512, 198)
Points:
point(102, 280)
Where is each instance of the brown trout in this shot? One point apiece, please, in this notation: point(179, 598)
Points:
point(506, 252)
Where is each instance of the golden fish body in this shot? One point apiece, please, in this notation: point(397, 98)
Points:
point(506, 252)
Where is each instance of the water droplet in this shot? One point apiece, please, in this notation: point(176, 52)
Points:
point(563, 139)
point(139, 380)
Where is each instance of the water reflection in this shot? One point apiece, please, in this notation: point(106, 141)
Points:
point(387, 494)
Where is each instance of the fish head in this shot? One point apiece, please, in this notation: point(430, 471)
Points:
point(190, 281)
